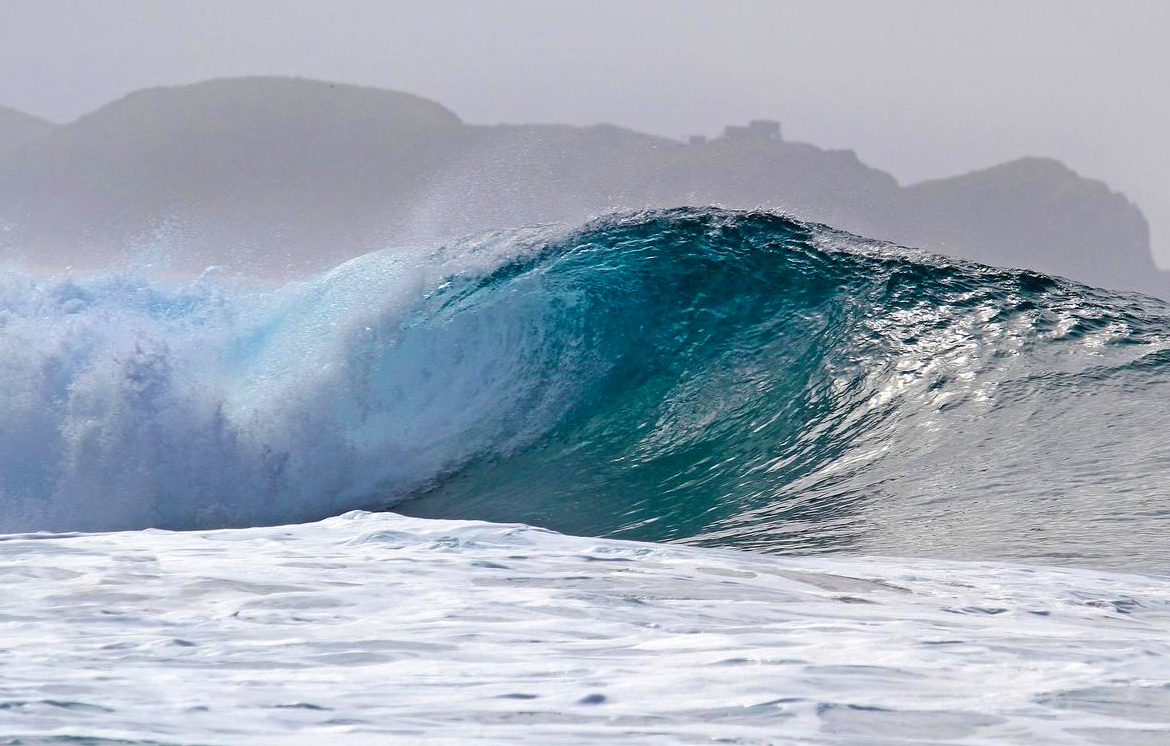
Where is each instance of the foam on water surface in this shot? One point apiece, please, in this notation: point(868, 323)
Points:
point(376, 628)
point(696, 376)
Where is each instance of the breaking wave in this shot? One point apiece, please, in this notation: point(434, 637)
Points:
point(696, 375)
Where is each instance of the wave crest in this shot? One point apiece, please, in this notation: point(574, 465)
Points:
point(700, 375)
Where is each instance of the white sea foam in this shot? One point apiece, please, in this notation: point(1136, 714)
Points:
point(131, 403)
point(728, 378)
point(374, 628)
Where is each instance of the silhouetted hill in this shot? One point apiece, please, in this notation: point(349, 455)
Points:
point(1073, 226)
point(17, 129)
point(295, 175)
point(261, 167)
point(524, 173)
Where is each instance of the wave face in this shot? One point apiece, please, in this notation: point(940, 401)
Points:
point(738, 379)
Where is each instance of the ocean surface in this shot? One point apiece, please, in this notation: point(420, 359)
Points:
point(684, 476)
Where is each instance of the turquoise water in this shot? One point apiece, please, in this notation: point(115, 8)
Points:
point(975, 456)
point(705, 376)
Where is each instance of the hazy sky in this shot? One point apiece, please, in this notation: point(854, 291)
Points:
point(921, 88)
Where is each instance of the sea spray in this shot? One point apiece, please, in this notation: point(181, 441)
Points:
point(696, 375)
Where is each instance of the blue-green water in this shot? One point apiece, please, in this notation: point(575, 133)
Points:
point(726, 379)
point(696, 375)
point(746, 380)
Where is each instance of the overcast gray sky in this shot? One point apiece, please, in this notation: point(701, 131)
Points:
point(921, 88)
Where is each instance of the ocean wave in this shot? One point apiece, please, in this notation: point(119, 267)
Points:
point(695, 375)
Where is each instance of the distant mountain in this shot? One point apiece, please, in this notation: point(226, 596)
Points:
point(17, 129)
point(1035, 213)
point(292, 175)
point(521, 173)
point(279, 170)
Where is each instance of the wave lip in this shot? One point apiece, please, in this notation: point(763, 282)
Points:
point(779, 386)
point(694, 375)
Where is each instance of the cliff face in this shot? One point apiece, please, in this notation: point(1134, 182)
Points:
point(18, 129)
point(293, 175)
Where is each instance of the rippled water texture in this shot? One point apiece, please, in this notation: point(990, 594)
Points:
point(383, 629)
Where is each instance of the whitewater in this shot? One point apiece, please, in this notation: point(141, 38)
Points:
point(691, 475)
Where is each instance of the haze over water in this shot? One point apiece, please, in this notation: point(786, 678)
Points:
point(920, 89)
point(675, 473)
